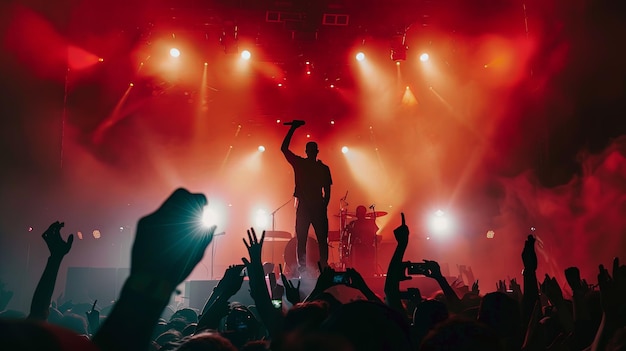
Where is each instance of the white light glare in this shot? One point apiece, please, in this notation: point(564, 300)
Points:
point(209, 217)
point(174, 52)
point(424, 57)
point(246, 55)
point(345, 149)
point(439, 223)
point(261, 148)
point(261, 219)
point(360, 56)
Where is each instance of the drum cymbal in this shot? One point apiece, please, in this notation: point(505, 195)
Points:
point(375, 214)
point(347, 214)
point(277, 235)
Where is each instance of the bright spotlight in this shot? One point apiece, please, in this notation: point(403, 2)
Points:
point(261, 148)
point(360, 56)
point(246, 55)
point(439, 223)
point(174, 52)
point(261, 219)
point(490, 234)
point(209, 217)
point(424, 57)
point(96, 234)
point(345, 149)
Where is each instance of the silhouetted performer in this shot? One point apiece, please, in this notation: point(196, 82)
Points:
point(362, 242)
point(312, 191)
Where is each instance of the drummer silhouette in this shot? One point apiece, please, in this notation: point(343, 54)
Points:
point(362, 236)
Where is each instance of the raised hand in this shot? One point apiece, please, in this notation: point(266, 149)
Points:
point(529, 256)
point(401, 233)
point(292, 293)
point(355, 279)
point(501, 286)
point(516, 289)
point(432, 269)
point(231, 282)
point(551, 288)
point(254, 246)
point(612, 288)
point(93, 319)
point(572, 275)
point(475, 288)
point(171, 241)
point(56, 245)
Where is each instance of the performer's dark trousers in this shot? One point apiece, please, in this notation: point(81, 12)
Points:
point(312, 214)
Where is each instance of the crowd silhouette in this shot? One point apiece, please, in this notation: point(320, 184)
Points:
point(537, 314)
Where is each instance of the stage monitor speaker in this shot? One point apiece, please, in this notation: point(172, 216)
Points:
point(86, 284)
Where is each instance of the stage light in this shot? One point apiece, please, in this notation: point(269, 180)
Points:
point(439, 223)
point(246, 55)
point(96, 234)
point(261, 219)
point(209, 217)
point(360, 56)
point(308, 73)
point(206, 64)
point(345, 149)
point(174, 52)
point(278, 121)
point(30, 229)
point(332, 86)
point(280, 84)
point(100, 59)
point(332, 122)
point(131, 85)
point(424, 57)
point(261, 148)
point(80, 235)
point(490, 234)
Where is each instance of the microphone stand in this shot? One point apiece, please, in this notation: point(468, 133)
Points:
point(376, 268)
point(213, 251)
point(343, 210)
point(276, 210)
point(274, 224)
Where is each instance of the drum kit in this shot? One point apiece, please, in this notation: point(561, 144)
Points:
point(346, 238)
point(283, 241)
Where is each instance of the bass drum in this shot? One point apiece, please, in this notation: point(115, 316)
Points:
point(291, 260)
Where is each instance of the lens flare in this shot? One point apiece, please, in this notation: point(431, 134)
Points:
point(174, 52)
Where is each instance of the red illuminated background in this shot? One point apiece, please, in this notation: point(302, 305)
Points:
point(515, 120)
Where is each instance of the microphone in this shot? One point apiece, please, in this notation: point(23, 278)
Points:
point(295, 122)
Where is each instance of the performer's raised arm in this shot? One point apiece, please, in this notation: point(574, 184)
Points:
point(295, 124)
